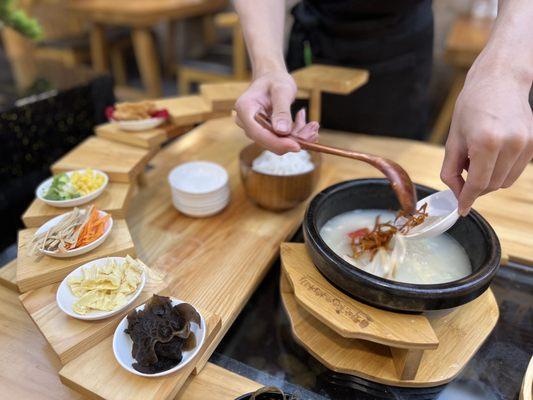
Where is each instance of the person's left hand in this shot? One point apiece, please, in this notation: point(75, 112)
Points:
point(491, 135)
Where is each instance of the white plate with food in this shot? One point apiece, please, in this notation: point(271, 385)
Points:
point(72, 188)
point(139, 125)
point(101, 288)
point(177, 346)
point(72, 234)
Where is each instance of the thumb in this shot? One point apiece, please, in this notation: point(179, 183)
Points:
point(282, 97)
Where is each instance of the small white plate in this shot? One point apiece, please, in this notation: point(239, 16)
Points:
point(139, 125)
point(43, 188)
point(65, 299)
point(198, 177)
point(122, 345)
point(79, 250)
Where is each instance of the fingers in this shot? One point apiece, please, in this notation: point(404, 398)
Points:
point(282, 97)
point(246, 109)
point(518, 167)
point(455, 161)
point(307, 132)
point(482, 163)
point(504, 163)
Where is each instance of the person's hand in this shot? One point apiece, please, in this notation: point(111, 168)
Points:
point(491, 136)
point(273, 93)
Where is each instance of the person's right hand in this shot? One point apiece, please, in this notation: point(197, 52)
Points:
point(273, 93)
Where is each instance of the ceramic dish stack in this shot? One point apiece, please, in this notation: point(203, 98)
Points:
point(199, 188)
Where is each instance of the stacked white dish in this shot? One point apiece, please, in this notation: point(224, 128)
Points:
point(199, 188)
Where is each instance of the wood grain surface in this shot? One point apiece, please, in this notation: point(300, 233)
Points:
point(70, 337)
point(222, 96)
point(114, 200)
point(8, 275)
point(329, 78)
point(120, 161)
point(186, 110)
point(460, 331)
point(37, 271)
point(97, 374)
point(350, 318)
point(148, 139)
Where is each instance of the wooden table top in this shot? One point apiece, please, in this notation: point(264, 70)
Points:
point(143, 12)
point(242, 241)
point(467, 37)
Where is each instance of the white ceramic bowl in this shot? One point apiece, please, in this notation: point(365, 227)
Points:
point(65, 299)
point(79, 250)
point(122, 345)
point(139, 125)
point(44, 186)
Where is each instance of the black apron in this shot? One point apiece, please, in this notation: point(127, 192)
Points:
point(393, 39)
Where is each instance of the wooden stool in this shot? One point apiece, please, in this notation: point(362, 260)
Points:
point(198, 71)
point(316, 79)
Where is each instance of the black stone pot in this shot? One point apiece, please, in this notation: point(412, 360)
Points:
point(472, 232)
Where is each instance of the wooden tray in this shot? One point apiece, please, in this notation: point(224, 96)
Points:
point(331, 79)
point(97, 374)
point(70, 337)
point(149, 139)
point(186, 110)
point(120, 161)
point(34, 272)
point(460, 332)
point(114, 200)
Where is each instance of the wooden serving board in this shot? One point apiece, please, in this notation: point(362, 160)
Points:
point(186, 110)
point(70, 337)
point(120, 161)
point(460, 331)
point(148, 139)
point(222, 96)
point(348, 317)
point(114, 200)
point(35, 272)
point(97, 374)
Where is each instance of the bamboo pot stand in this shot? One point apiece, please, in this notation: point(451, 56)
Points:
point(390, 348)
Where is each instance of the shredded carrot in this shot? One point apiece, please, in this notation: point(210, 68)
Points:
point(92, 229)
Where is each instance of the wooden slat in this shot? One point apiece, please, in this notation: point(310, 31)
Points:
point(222, 96)
point(120, 161)
point(97, 374)
point(149, 139)
point(331, 79)
point(114, 200)
point(35, 272)
point(8, 275)
point(186, 110)
point(70, 337)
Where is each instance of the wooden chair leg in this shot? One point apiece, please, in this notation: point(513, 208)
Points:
point(118, 66)
point(98, 48)
point(442, 125)
point(315, 105)
point(184, 83)
point(147, 60)
point(170, 56)
point(209, 31)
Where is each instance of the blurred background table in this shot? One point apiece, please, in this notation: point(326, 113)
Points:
point(141, 16)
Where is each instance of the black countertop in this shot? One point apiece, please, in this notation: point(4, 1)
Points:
point(260, 346)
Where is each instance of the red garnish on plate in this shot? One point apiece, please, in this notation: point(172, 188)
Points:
point(109, 112)
point(163, 113)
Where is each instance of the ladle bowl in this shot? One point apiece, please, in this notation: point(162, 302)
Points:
point(472, 232)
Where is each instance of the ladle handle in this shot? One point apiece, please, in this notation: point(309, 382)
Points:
point(400, 181)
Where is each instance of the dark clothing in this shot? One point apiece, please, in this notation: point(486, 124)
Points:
point(392, 39)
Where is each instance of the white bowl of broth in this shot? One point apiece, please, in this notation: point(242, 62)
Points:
point(434, 273)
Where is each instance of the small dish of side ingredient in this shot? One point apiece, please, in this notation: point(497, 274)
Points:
point(71, 234)
point(70, 189)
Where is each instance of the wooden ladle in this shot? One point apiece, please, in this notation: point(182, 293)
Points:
point(399, 179)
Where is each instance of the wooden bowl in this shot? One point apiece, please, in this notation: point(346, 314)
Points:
point(276, 192)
